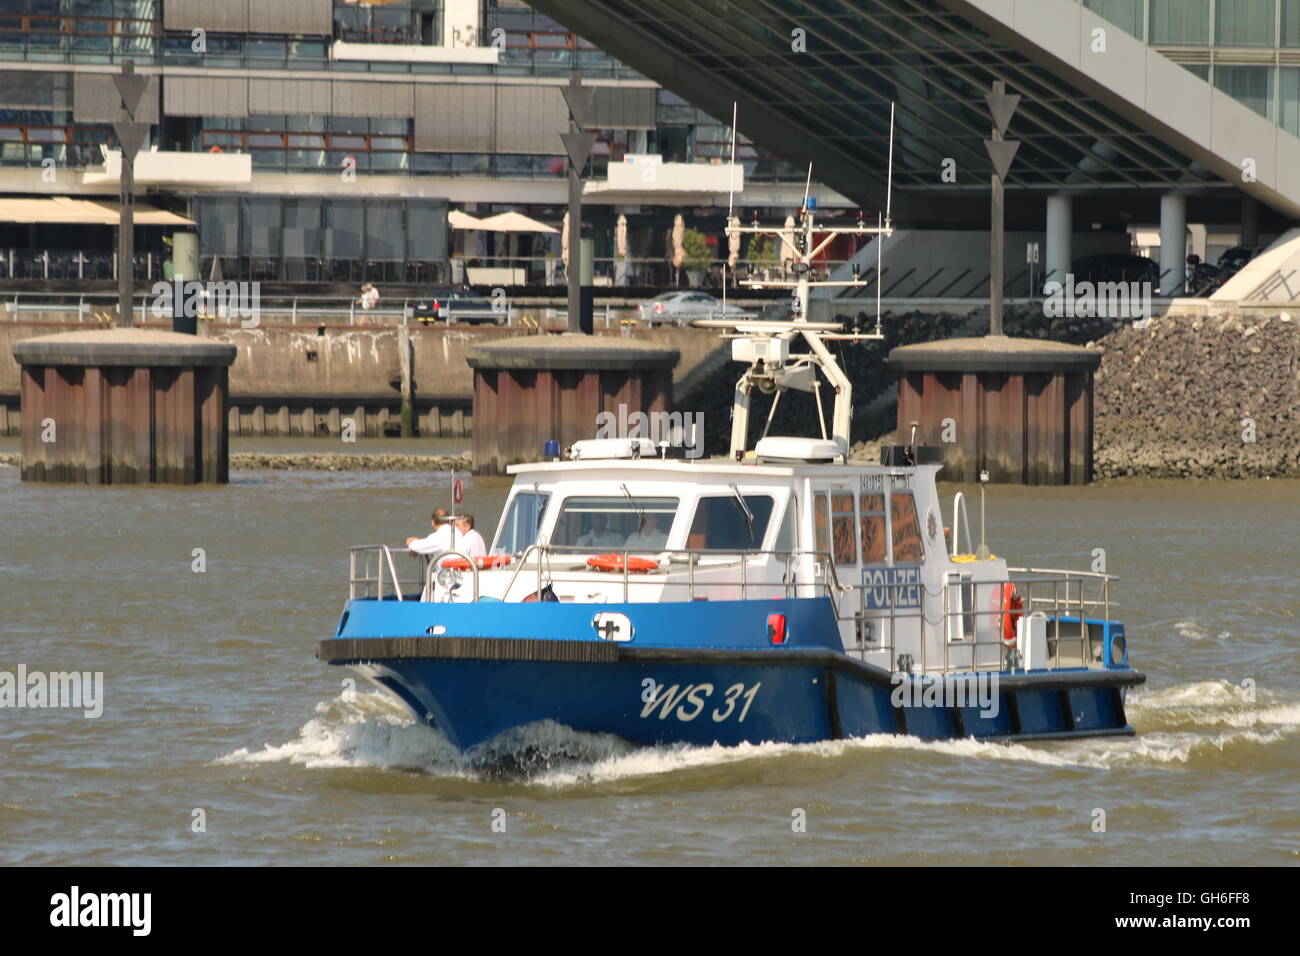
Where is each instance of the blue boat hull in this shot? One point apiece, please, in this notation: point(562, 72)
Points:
point(503, 667)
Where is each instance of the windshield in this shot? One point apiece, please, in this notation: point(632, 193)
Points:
point(614, 524)
point(521, 523)
point(721, 524)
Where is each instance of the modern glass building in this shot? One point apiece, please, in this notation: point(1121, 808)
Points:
point(326, 141)
point(1131, 112)
point(318, 140)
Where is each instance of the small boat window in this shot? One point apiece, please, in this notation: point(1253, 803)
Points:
point(614, 524)
point(842, 519)
point(872, 521)
point(821, 523)
point(721, 524)
point(908, 548)
point(522, 522)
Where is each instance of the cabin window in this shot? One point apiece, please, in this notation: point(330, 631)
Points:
point(614, 524)
point(721, 524)
point(522, 522)
point(821, 523)
point(844, 537)
point(908, 548)
point(785, 541)
point(872, 523)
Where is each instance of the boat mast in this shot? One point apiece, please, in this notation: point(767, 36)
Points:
point(765, 345)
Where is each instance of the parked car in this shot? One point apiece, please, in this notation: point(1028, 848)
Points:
point(681, 307)
point(1116, 267)
point(1232, 260)
point(456, 305)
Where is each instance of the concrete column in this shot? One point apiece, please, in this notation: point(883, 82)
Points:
point(1249, 221)
point(1060, 231)
point(185, 255)
point(1173, 243)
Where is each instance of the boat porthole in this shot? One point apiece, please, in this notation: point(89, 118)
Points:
point(1117, 650)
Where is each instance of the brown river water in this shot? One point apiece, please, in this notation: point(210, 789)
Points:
point(213, 701)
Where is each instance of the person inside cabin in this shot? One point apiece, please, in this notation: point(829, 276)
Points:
point(599, 536)
point(438, 540)
point(649, 537)
point(469, 541)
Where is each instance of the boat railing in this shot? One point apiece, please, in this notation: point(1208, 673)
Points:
point(870, 614)
point(392, 572)
point(1071, 602)
point(542, 560)
point(373, 572)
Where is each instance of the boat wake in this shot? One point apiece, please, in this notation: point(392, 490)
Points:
point(372, 730)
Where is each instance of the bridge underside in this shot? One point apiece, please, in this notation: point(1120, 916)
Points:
point(827, 101)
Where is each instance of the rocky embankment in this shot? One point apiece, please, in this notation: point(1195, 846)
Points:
point(327, 462)
point(1198, 397)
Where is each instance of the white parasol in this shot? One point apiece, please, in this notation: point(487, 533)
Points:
point(733, 243)
point(679, 234)
point(620, 237)
point(564, 241)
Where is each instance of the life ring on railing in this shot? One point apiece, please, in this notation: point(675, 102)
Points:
point(1011, 606)
point(485, 563)
point(215, 149)
point(614, 562)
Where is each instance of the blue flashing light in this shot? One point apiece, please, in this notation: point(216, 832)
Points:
point(552, 449)
point(812, 202)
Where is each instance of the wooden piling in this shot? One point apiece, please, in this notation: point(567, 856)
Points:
point(532, 389)
point(1020, 409)
point(124, 406)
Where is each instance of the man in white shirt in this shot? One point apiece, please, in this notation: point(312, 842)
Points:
point(649, 538)
point(600, 537)
point(469, 541)
point(437, 541)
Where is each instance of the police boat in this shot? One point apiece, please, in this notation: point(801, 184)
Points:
point(781, 593)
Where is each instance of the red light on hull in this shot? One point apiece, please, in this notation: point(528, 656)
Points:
point(776, 628)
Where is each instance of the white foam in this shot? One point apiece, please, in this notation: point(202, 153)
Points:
point(361, 730)
point(374, 730)
point(1193, 630)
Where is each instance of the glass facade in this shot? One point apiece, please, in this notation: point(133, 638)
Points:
point(311, 239)
point(1233, 32)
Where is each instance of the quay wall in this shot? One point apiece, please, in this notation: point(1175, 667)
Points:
point(304, 379)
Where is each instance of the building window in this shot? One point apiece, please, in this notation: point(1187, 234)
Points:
point(1125, 14)
point(1180, 22)
point(1246, 22)
point(1252, 85)
point(1290, 22)
point(1289, 100)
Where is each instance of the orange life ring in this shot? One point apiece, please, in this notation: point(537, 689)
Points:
point(614, 562)
point(485, 563)
point(1011, 607)
point(215, 149)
